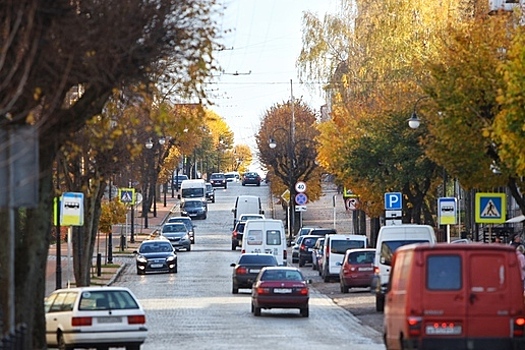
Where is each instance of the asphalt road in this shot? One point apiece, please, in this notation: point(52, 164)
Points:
point(195, 309)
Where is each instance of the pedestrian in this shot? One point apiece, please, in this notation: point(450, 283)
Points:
point(520, 251)
point(498, 239)
point(516, 241)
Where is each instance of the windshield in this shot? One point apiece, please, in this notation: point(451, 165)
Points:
point(155, 247)
point(174, 228)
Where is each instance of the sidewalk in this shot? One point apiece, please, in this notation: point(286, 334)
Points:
point(109, 272)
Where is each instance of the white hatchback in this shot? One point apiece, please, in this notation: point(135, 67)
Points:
point(94, 317)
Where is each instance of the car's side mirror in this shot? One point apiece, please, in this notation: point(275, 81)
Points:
point(232, 264)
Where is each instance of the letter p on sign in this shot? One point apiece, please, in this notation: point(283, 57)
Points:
point(393, 201)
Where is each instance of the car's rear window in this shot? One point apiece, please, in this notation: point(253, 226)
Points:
point(309, 241)
point(341, 246)
point(444, 272)
point(107, 300)
point(321, 232)
point(281, 275)
point(361, 257)
point(258, 259)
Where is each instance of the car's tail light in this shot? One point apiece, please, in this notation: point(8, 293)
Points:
point(137, 319)
point(241, 270)
point(243, 251)
point(518, 328)
point(414, 326)
point(261, 290)
point(303, 291)
point(81, 321)
point(302, 247)
point(234, 234)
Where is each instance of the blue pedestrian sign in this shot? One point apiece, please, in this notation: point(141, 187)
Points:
point(490, 208)
point(393, 201)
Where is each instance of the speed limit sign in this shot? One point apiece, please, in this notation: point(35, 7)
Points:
point(300, 186)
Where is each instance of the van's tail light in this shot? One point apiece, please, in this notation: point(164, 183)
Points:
point(137, 319)
point(241, 270)
point(518, 328)
point(81, 321)
point(415, 324)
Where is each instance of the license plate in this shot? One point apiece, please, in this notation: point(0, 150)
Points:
point(111, 319)
point(193, 214)
point(282, 290)
point(309, 249)
point(365, 269)
point(255, 270)
point(443, 330)
point(156, 266)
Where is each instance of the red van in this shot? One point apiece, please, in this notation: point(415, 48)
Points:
point(455, 296)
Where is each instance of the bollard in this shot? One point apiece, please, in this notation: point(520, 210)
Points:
point(122, 242)
point(99, 264)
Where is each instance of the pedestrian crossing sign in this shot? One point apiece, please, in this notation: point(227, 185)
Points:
point(127, 195)
point(491, 208)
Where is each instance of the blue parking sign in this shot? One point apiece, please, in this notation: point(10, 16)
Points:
point(393, 201)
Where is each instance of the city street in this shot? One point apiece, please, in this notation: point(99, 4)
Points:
point(196, 309)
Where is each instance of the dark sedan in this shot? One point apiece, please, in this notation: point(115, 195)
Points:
point(194, 208)
point(237, 234)
point(247, 267)
point(177, 234)
point(218, 180)
point(280, 288)
point(251, 178)
point(156, 255)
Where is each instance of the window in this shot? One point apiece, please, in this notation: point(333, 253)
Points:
point(254, 237)
point(444, 272)
point(57, 304)
point(119, 299)
point(273, 237)
point(341, 246)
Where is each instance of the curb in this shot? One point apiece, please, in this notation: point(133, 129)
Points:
point(117, 274)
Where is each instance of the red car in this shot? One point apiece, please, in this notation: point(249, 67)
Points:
point(281, 288)
point(357, 269)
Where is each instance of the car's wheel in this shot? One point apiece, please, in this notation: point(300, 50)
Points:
point(234, 246)
point(225, 186)
point(344, 289)
point(62, 344)
point(133, 347)
point(257, 311)
point(213, 200)
point(304, 311)
point(243, 184)
point(253, 309)
point(301, 262)
point(103, 348)
point(193, 241)
point(175, 269)
point(380, 302)
point(188, 248)
point(326, 278)
point(140, 272)
point(235, 289)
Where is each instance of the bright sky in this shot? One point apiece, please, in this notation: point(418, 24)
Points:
point(262, 48)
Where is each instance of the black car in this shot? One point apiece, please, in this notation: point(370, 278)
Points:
point(218, 180)
point(210, 192)
point(177, 234)
point(305, 249)
point(237, 233)
point(251, 178)
point(247, 267)
point(156, 255)
point(194, 208)
point(186, 221)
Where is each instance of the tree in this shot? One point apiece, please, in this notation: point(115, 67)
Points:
point(99, 46)
point(292, 129)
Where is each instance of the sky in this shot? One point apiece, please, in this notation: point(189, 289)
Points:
point(259, 61)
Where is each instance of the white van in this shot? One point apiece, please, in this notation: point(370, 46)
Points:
point(265, 236)
point(246, 205)
point(388, 240)
point(335, 247)
point(195, 188)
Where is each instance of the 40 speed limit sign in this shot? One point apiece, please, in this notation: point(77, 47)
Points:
point(300, 186)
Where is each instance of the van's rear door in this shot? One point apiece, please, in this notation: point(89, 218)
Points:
point(489, 293)
point(444, 301)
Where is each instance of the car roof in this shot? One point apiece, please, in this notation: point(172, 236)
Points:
point(282, 268)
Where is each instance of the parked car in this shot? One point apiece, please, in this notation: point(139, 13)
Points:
point(251, 178)
point(178, 235)
point(247, 267)
point(155, 255)
point(218, 180)
point(177, 180)
point(210, 192)
point(335, 247)
point(194, 208)
point(280, 288)
point(305, 249)
point(295, 249)
point(245, 217)
point(186, 221)
point(317, 255)
point(94, 317)
point(357, 269)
